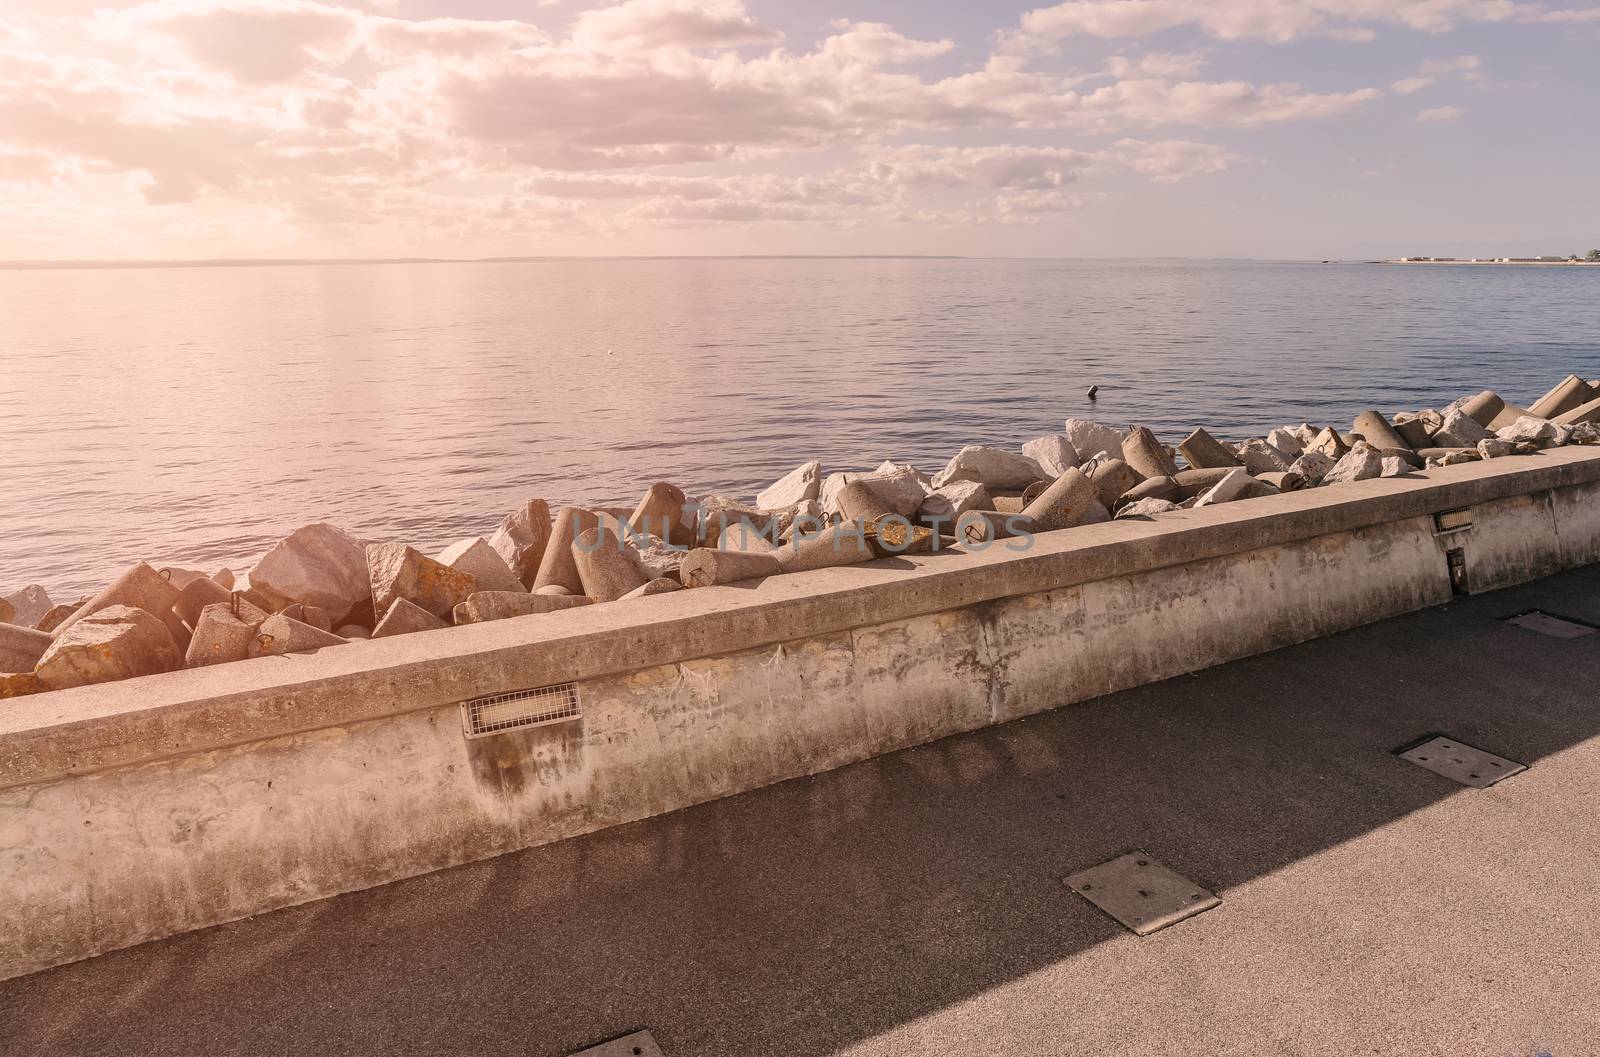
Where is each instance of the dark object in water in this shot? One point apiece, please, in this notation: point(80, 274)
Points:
point(1093, 389)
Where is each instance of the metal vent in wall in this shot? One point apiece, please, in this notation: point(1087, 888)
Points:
point(520, 709)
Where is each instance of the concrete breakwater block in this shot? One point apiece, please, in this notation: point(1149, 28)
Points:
point(222, 635)
point(1202, 451)
point(605, 568)
point(660, 514)
point(1142, 451)
point(1112, 479)
point(1066, 503)
point(21, 648)
point(404, 617)
point(139, 587)
point(844, 544)
point(1567, 394)
point(117, 642)
point(399, 571)
point(499, 605)
point(476, 558)
point(320, 564)
point(280, 634)
point(521, 537)
point(709, 567)
point(558, 565)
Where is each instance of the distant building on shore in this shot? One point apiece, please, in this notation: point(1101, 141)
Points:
point(1494, 260)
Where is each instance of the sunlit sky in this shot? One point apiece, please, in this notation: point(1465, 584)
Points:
point(1272, 128)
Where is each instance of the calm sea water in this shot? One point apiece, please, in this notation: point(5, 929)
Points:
point(192, 415)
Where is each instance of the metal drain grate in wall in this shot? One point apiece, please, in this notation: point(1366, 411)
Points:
point(1461, 763)
point(1141, 893)
point(639, 1044)
point(1552, 625)
point(520, 709)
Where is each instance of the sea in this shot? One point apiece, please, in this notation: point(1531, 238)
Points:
point(191, 415)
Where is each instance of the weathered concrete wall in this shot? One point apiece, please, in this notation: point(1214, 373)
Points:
point(120, 822)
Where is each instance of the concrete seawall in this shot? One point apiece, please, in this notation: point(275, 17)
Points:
point(140, 809)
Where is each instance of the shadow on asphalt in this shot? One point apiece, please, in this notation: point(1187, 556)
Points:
point(804, 917)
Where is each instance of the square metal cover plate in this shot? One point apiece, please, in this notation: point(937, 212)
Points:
point(1462, 763)
point(1141, 893)
point(1554, 626)
point(639, 1044)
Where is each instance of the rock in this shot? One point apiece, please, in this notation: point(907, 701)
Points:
point(898, 486)
point(1067, 502)
point(557, 566)
point(660, 515)
point(605, 566)
point(1362, 462)
point(1394, 467)
point(319, 564)
point(140, 587)
point(557, 591)
point(353, 631)
point(482, 606)
point(1232, 487)
point(20, 684)
point(717, 513)
point(482, 562)
point(659, 586)
point(1053, 452)
point(1202, 451)
point(1260, 457)
point(221, 636)
point(116, 642)
point(1286, 441)
point(1459, 430)
point(1539, 432)
point(225, 577)
point(1568, 393)
point(1583, 413)
point(1088, 438)
point(1373, 428)
point(993, 467)
point(945, 505)
point(845, 544)
point(8, 612)
point(800, 484)
point(1494, 448)
point(1509, 414)
point(1112, 478)
point(1585, 433)
point(1144, 453)
point(1145, 508)
point(1310, 468)
point(27, 606)
point(656, 558)
point(280, 634)
point(403, 618)
point(399, 571)
point(708, 567)
point(21, 648)
point(1452, 456)
point(521, 539)
point(58, 613)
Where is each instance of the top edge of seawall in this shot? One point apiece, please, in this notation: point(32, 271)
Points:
point(54, 735)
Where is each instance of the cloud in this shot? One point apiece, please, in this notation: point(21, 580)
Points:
point(1276, 21)
point(1411, 85)
point(1157, 64)
point(650, 24)
point(1440, 113)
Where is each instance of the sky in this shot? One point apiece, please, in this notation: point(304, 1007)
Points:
point(1301, 129)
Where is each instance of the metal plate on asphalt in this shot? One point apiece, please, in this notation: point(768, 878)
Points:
point(1462, 763)
point(1549, 624)
point(639, 1044)
point(1141, 893)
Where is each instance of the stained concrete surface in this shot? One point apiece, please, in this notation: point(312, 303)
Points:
point(914, 903)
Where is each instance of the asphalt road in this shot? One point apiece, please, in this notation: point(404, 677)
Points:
point(914, 904)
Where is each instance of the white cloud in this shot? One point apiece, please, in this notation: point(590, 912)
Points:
point(1277, 20)
point(1411, 85)
point(1440, 113)
point(650, 24)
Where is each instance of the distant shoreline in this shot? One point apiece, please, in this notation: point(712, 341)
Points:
point(1502, 263)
